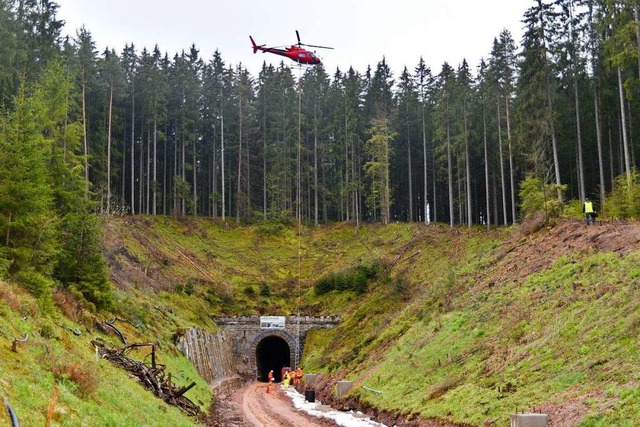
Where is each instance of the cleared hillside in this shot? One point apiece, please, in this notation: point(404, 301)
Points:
point(460, 325)
point(545, 322)
point(449, 327)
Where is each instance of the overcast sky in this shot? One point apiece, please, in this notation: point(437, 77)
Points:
point(361, 32)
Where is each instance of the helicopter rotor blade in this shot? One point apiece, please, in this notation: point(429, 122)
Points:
point(309, 45)
point(313, 45)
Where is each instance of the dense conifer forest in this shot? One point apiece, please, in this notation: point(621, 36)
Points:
point(135, 130)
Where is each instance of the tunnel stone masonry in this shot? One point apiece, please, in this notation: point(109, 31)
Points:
point(245, 347)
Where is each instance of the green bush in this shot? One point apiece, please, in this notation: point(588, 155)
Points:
point(573, 209)
point(624, 200)
point(325, 284)
point(355, 279)
point(264, 290)
point(270, 229)
point(38, 284)
point(539, 197)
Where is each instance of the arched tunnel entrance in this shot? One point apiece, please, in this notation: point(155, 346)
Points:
point(272, 353)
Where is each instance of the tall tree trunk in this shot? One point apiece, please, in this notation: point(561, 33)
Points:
point(355, 178)
point(502, 184)
point(511, 170)
point(238, 195)
point(486, 168)
point(425, 172)
point(625, 140)
point(109, 150)
point(165, 162)
point(194, 177)
point(554, 140)
point(147, 193)
point(612, 176)
point(222, 164)
point(325, 211)
point(133, 149)
point(315, 164)
point(155, 168)
point(598, 118)
point(123, 178)
point(387, 188)
point(141, 207)
point(575, 59)
point(183, 169)
point(636, 18)
point(632, 156)
point(410, 179)
point(581, 184)
point(84, 137)
point(176, 200)
point(247, 168)
point(347, 184)
point(435, 193)
point(409, 169)
point(214, 176)
point(450, 170)
point(264, 160)
point(467, 160)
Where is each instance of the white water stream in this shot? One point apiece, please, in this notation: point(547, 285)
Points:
point(317, 409)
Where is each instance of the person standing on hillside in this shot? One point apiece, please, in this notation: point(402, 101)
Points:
point(589, 213)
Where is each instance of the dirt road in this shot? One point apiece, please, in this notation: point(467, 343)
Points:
point(251, 406)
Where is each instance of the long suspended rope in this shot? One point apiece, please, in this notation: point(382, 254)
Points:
point(299, 213)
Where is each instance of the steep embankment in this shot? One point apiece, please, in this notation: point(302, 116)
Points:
point(460, 325)
point(544, 322)
point(49, 372)
point(456, 326)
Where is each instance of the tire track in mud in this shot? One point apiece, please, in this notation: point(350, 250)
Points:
point(263, 409)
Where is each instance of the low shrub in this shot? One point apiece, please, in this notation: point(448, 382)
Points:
point(624, 200)
point(538, 197)
point(355, 279)
point(83, 377)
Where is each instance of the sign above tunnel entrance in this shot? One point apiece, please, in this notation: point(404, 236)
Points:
point(272, 322)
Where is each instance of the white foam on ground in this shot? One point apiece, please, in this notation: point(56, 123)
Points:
point(317, 409)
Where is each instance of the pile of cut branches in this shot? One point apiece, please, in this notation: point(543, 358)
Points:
point(152, 377)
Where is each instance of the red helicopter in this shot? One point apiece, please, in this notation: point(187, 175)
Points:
point(296, 52)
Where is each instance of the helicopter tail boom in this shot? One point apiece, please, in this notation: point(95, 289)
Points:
point(255, 46)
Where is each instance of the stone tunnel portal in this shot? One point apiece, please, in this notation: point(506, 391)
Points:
point(272, 353)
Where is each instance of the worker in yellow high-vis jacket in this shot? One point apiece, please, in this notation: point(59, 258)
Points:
point(589, 212)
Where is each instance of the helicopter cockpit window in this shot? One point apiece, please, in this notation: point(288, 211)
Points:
point(301, 55)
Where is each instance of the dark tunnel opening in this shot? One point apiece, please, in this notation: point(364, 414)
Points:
point(272, 353)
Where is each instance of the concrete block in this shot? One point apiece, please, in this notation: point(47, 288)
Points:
point(529, 420)
point(309, 379)
point(343, 387)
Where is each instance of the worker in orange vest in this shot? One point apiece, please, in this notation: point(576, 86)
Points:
point(298, 377)
point(270, 381)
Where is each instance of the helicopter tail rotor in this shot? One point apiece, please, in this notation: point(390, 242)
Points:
point(255, 46)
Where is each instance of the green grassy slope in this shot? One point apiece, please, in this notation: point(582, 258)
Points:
point(483, 336)
point(462, 325)
point(91, 391)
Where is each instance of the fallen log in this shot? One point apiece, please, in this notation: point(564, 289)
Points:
point(110, 324)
